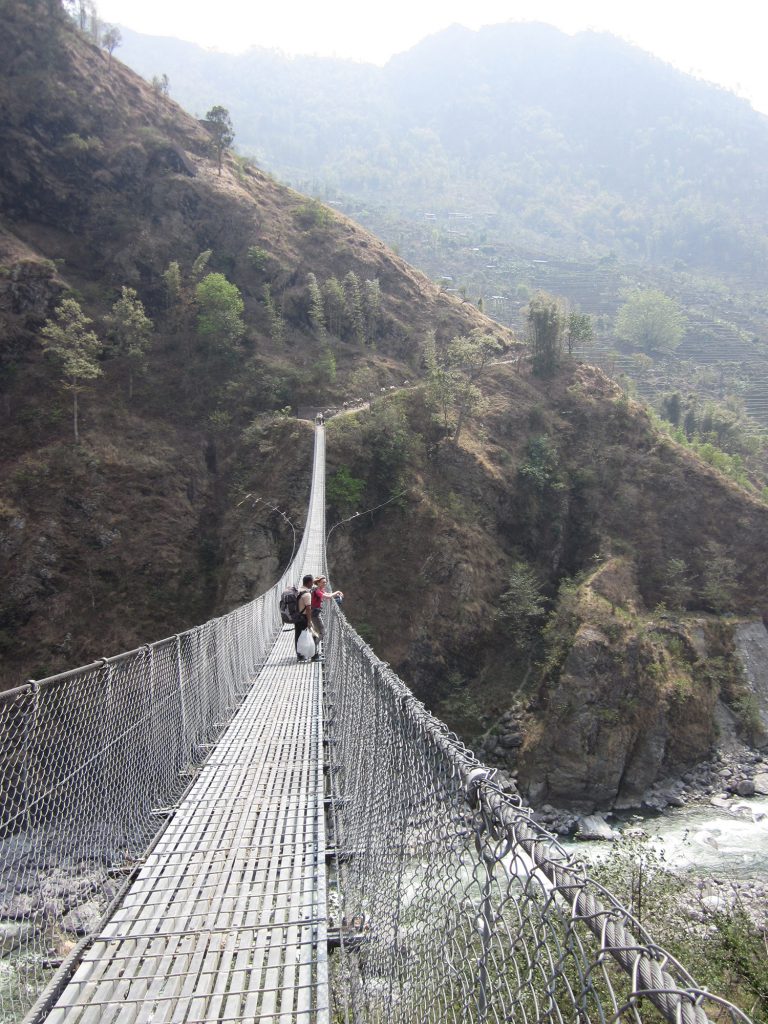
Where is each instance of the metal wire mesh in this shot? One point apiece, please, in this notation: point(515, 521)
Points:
point(454, 904)
point(89, 760)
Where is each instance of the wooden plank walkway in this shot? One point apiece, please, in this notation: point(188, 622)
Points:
point(227, 918)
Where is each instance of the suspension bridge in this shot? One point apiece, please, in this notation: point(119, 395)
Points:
point(204, 829)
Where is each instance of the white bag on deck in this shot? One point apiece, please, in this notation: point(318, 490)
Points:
point(306, 645)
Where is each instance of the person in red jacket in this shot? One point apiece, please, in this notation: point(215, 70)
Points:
point(320, 594)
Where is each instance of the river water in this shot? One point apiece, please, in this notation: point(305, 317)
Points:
point(730, 844)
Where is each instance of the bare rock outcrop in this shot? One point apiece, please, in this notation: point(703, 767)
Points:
point(629, 707)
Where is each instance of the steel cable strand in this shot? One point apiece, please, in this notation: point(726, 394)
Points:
point(642, 960)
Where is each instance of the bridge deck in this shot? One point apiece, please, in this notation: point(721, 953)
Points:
point(226, 920)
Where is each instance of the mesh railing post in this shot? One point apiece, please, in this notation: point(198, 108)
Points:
point(106, 726)
point(182, 703)
point(152, 723)
point(29, 717)
point(484, 922)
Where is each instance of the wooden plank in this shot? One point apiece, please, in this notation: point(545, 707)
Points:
point(226, 919)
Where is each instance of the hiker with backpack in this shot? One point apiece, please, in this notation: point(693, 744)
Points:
point(320, 594)
point(296, 608)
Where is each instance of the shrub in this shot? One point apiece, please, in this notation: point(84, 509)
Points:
point(345, 491)
point(257, 257)
point(312, 214)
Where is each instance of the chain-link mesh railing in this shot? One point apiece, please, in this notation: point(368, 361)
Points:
point(90, 760)
point(454, 905)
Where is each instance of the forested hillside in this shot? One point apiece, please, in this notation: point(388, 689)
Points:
point(167, 308)
point(517, 158)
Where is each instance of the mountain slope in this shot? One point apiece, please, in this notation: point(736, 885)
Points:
point(163, 514)
point(517, 158)
point(105, 185)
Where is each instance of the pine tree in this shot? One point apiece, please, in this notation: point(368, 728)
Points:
point(201, 263)
point(274, 316)
point(131, 331)
point(353, 295)
point(316, 307)
point(172, 279)
point(372, 307)
point(546, 323)
point(335, 305)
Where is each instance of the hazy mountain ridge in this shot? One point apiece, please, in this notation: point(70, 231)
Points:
point(581, 139)
point(517, 158)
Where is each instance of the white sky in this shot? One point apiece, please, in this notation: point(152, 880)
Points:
point(720, 42)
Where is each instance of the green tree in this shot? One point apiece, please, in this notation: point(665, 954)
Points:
point(441, 384)
point(677, 584)
point(274, 317)
point(372, 307)
point(312, 214)
point(718, 577)
point(110, 41)
point(467, 359)
point(540, 470)
point(326, 364)
point(67, 338)
point(690, 418)
point(546, 324)
point(316, 307)
point(726, 953)
point(219, 124)
point(172, 280)
point(651, 321)
point(635, 870)
point(671, 407)
point(258, 257)
point(86, 15)
point(335, 305)
point(579, 330)
point(344, 491)
point(219, 309)
point(521, 604)
point(131, 331)
point(161, 86)
point(200, 265)
point(429, 351)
